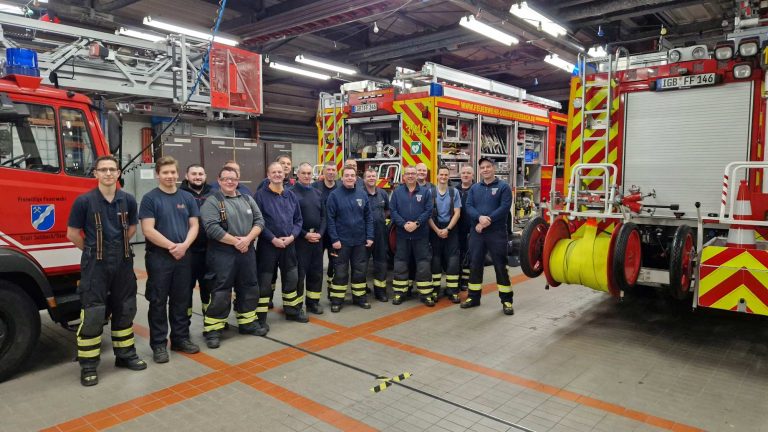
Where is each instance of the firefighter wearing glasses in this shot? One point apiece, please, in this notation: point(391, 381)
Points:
point(232, 222)
point(488, 204)
point(108, 218)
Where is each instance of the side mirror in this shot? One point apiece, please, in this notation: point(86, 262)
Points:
point(114, 132)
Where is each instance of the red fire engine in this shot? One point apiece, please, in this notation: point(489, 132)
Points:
point(666, 169)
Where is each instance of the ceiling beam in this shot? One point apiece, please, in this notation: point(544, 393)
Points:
point(606, 18)
point(114, 5)
point(608, 7)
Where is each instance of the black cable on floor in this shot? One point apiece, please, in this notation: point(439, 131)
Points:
point(413, 389)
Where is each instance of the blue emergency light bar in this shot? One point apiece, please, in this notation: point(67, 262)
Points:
point(21, 61)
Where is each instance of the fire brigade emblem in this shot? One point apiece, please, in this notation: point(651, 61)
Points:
point(418, 198)
point(359, 202)
point(43, 216)
point(494, 190)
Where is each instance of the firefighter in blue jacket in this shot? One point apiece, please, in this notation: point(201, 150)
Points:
point(488, 205)
point(411, 208)
point(380, 210)
point(277, 247)
point(350, 228)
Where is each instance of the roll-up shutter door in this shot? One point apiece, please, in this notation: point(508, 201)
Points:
point(679, 142)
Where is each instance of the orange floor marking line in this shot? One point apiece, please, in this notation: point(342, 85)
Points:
point(538, 386)
point(322, 412)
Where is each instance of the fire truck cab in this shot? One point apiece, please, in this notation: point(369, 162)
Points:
point(49, 140)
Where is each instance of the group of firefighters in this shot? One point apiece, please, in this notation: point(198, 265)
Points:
point(222, 237)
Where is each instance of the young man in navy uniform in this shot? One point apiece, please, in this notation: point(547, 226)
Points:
point(411, 208)
point(194, 183)
point(488, 205)
point(101, 224)
point(350, 228)
point(170, 221)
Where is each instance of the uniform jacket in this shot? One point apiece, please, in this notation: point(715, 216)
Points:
point(349, 216)
point(408, 206)
point(493, 200)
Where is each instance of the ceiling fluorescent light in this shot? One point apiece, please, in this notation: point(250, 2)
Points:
point(325, 64)
point(484, 29)
point(139, 35)
point(299, 71)
point(597, 51)
point(187, 31)
point(11, 9)
point(555, 60)
point(535, 19)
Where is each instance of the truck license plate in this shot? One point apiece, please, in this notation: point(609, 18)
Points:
point(364, 108)
point(686, 81)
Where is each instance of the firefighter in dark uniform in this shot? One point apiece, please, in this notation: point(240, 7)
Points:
point(379, 201)
point(288, 182)
point(327, 185)
point(488, 206)
point(232, 222)
point(108, 218)
point(309, 245)
point(169, 220)
point(195, 184)
point(467, 180)
point(444, 238)
point(277, 248)
point(350, 227)
point(411, 208)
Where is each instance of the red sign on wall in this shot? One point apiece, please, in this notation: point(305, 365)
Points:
point(235, 79)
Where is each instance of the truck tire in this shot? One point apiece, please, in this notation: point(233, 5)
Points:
point(532, 247)
point(681, 262)
point(627, 257)
point(19, 328)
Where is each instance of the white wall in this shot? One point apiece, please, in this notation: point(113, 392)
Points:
point(304, 153)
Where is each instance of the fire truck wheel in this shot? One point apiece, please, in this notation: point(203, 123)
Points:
point(532, 246)
point(19, 328)
point(681, 262)
point(627, 255)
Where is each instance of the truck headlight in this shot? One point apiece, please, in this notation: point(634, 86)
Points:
point(748, 47)
point(742, 71)
point(674, 56)
point(724, 50)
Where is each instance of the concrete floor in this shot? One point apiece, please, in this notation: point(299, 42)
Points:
point(571, 359)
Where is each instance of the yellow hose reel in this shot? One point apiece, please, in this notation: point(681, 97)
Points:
point(602, 259)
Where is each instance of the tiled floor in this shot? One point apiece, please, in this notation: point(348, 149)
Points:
point(571, 359)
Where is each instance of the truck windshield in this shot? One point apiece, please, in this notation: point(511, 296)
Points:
point(30, 142)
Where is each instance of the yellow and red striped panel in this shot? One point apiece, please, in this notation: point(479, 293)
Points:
point(329, 150)
point(419, 124)
point(734, 279)
point(594, 151)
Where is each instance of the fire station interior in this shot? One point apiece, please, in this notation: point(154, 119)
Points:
point(631, 133)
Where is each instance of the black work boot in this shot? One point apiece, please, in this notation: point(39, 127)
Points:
point(160, 354)
point(336, 307)
point(186, 346)
point(88, 376)
point(133, 363)
point(253, 328)
point(380, 294)
point(361, 302)
point(470, 303)
point(300, 317)
point(315, 308)
point(213, 339)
